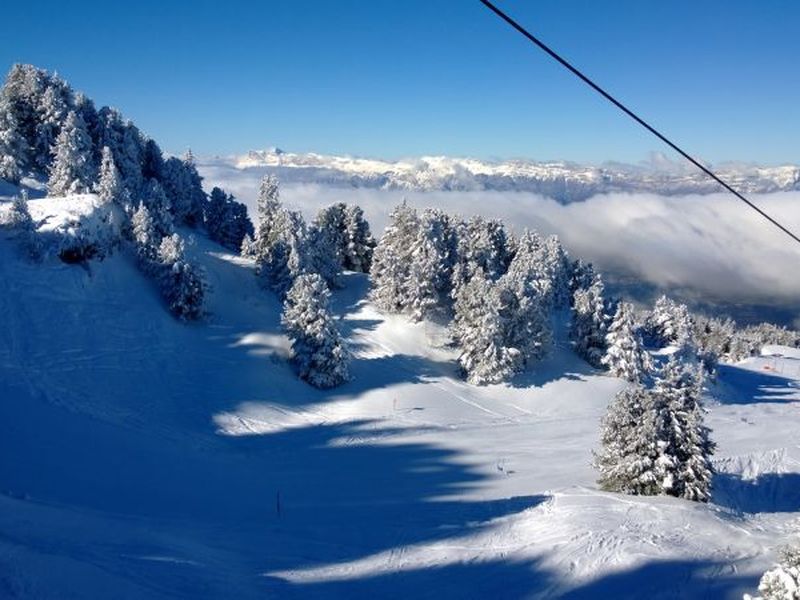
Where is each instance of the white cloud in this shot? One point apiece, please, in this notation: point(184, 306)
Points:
point(712, 244)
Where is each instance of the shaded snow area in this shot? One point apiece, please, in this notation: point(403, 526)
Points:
point(145, 458)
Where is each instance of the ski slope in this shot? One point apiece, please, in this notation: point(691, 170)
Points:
point(144, 458)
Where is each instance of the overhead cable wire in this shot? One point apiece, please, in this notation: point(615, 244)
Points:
point(575, 71)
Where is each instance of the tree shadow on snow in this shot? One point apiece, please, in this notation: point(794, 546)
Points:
point(768, 493)
point(743, 386)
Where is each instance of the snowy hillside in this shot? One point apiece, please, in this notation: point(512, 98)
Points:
point(563, 181)
point(146, 458)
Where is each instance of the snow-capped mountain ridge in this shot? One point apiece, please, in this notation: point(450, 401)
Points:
point(563, 180)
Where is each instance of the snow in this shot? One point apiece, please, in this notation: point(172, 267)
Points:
point(564, 181)
point(145, 458)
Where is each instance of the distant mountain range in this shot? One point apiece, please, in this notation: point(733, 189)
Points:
point(564, 181)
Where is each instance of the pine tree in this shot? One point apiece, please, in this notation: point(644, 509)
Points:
point(145, 237)
point(359, 241)
point(268, 207)
point(248, 247)
point(625, 355)
point(109, 187)
point(670, 324)
point(20, 219)
point(427, 285)
point(391, 260)
point(160, 208)
point(628, 460)
point(590, 323)
point(13, 147)
point(71, 170)
point(782, 582)
point(52, 113)
point(480, 244)
point(318, 351)
point(182, 284)
point(286, 257)
point(684, 445)
point(226, 220)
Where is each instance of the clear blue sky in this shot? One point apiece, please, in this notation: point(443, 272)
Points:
point(401, 78)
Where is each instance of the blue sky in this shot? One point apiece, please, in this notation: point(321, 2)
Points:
point(402, 78)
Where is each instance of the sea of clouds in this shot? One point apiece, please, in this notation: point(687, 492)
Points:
point(711, 245)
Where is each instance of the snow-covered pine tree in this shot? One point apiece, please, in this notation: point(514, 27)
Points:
point(625, 355)
point(226, 220)
point(590, 323)
point(427, 286)
point(248, 247)
point(145, 237)
point(182, 284)
point(670, 324)
point(19, 218)
point(528, 279)
point(558, 269)
point(324, 254)
point(13, 147)
point(52, 113)
point(392, 259)
point(287, 253)
point(684, 445)
point(781, 582)
point(158, 204)
point(268, 207)
point(109, 187)
point(127, 147)
point(318, 350)
point(359, 241)
point(152, 161)
point(484, 244)
point(71, 170)
point(332, 228)
point(21, 95)
point(481, 328)
point(628, 458)
point(582, 276)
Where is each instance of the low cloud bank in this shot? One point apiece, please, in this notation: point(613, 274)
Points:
point(711, 245)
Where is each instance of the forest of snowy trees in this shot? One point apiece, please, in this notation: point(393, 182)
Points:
point(50, 133)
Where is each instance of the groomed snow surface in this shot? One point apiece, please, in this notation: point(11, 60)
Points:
point(144, 458)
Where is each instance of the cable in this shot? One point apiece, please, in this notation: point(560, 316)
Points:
point(634, 116)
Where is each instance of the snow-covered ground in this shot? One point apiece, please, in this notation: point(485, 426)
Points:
point(144, 458)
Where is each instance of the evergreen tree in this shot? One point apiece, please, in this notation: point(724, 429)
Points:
point(670, 324)
point(359, 243)
point(318, 350)
point(428, 281)
point(392, 259)
point(625, 355)
point(182, 284)
point(52, 112)
point(71, 171)
point(628, 460)
point(286, 256)
point(226, 220)
point(480, 244)
point(13, 147)
point(684, 445)
point(248, 247)
point(145, 236)
point(590, 323)
point(782, 582)
point(268, 207)
point(109, 186)
point(159, 205)
point(325, 253)
point(20, 219)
